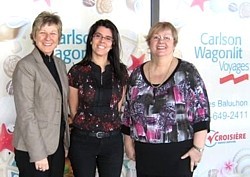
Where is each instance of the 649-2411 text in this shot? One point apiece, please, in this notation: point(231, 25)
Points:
point(229, 115)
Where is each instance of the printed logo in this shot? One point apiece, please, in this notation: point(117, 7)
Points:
point(215, 137)
point(236, 80)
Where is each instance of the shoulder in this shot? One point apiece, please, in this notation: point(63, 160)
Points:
point(124, 69)
point(31, 58)
point(25, 68)
point(27, 62)
point(191, 73)
point(138, 70)
point(184, 65)
point(136, 75)
point(80, 68)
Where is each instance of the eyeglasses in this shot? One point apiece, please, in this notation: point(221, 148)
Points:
point(164, 38)
point(99, 36)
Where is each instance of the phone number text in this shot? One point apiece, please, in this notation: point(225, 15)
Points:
point(229, 115)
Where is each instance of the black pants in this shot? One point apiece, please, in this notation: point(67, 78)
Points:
point(87, 153)
point(28, 169)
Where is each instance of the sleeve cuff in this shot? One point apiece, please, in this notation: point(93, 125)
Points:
point(125, 130)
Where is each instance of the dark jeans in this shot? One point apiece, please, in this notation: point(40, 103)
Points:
point(86, 153)
point(28, 169)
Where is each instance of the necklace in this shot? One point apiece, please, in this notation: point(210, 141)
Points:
point(164, 79)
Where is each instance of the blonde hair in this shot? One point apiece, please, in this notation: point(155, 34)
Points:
point(46, 18)
point(160, 26)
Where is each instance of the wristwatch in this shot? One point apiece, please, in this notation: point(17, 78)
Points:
point(198, 149)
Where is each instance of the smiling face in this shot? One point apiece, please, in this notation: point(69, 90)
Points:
point(102, 41)
point(46, 39)
point(162, 39)
point(162, 43)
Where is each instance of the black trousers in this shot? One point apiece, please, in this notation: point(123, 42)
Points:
point(87, 153)
point(56, 164)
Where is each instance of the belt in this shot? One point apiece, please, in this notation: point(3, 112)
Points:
point(96, 134)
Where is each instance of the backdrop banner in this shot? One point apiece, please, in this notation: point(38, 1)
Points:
point(132, 18)
point(214, 35)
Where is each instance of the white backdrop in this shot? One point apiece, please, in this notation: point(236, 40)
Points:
point(132, 17)
point(214, 35)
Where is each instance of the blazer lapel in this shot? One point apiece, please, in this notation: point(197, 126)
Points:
point(61, 72)
point(43, 67)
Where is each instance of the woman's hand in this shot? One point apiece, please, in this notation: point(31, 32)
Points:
point(42, 165)
point(195, 157)
point(195, 153)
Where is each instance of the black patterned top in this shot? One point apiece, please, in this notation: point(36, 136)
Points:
point(99, 94)
point(172, 112)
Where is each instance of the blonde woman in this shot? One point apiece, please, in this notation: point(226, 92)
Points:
point(166, 117)
point(41, 93)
